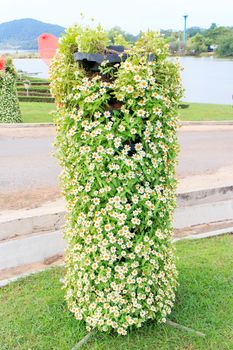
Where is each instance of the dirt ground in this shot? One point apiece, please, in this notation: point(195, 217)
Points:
point(28, 199)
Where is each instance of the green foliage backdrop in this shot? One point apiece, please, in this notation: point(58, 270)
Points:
point(117, 144)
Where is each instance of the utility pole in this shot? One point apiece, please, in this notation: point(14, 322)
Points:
point(185, 22)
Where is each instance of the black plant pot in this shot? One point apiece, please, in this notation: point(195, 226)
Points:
point(114, 54)
point(91, 61)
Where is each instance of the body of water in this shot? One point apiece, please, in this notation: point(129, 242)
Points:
point(34, 66)
point(205, 79)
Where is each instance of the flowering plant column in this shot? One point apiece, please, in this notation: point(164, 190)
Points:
point(117, 144)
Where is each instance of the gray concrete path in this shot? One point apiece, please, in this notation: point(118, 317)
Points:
point(27, 164)
point(205, 149)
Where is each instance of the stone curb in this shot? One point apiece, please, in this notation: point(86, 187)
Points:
point(49, 217)
point(207, 122)
point(31, 249)
point(183, 123)
point(7, 281)
point(25, 125)
point(209, 234)
point(205, 195)
point(30, 236)
point(206, 213)
point(202, 205)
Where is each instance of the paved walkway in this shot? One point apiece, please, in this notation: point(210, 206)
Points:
point(29, 172)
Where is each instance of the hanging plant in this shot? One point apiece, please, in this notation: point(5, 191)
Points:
point(117, 144)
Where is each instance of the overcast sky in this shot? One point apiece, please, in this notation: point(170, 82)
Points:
point(131, 15)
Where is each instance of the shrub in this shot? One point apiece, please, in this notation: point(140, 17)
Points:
point(116, 141)
point(9, 104)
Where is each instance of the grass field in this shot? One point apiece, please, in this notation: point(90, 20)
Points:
point(203, 111)
point(34, 314)
point(38, 112)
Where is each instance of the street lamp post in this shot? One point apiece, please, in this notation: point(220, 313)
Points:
point(185, 22)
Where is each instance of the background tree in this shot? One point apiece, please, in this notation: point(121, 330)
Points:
point(197, 44)
point(225, 48)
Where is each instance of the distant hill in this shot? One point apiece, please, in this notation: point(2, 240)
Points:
point(22, 34)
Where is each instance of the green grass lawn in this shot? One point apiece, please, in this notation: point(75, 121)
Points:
point(33, 314)
point(203, 111)
point(38, 112)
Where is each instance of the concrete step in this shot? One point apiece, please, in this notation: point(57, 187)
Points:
point(45, 247)
point(32, 236)
point(16, 223)
point(193, 208)
point(206, 213)
point(19, 257)
point(30, 249)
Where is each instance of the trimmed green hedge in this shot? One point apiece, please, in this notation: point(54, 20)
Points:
point(20, 83)
point(34, 93)
point(39, 90)
point(35, 99)
point(35, 88)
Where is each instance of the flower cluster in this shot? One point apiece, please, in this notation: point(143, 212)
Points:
point(116, 141)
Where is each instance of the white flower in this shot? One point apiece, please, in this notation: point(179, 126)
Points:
point(135, 199)
point(143, 84)
point(107, 114)
point(109, 136)
point(129, 89)
point(141, 112)
point(137, 78)
point(135, 221)
point(133, 131)
point(128, 66)
point(97, 114)
point(96, 200)
point(108, 227)
point(121, 127)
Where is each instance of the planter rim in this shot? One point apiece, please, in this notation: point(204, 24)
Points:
point(110, 57)
point(99, 58)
